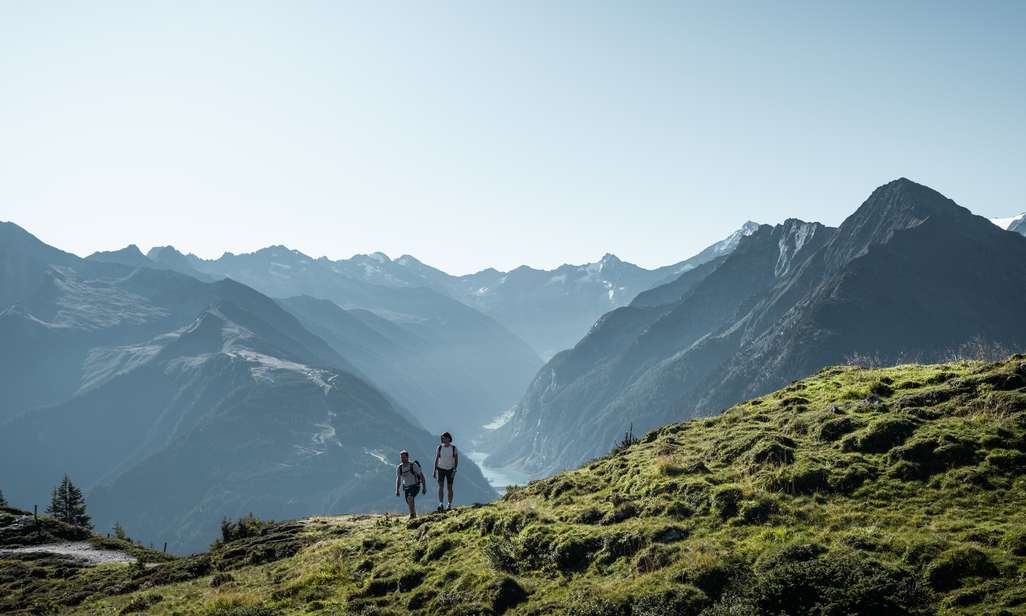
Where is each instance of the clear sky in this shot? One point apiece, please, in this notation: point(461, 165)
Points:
point(495, 134)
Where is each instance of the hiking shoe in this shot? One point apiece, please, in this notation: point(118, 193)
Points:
point(440, 508)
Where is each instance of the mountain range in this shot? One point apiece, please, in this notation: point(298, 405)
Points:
point(910, 275)
point(449, 363)
point(180, 390)
point(448, 347)
point(549, 309)
point(175, 402)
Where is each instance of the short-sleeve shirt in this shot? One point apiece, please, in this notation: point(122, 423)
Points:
point(409, 473)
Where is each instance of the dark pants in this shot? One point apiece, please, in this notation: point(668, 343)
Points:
point(446, 475)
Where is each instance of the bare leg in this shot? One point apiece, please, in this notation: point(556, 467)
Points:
point(413, 510)
point(450, 490)
point(440, 482)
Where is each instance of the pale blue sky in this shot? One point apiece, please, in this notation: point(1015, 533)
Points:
point(493, 134)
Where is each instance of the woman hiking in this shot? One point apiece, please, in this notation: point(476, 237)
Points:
point(446, 461)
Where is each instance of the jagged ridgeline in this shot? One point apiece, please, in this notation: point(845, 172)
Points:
point(855, 491)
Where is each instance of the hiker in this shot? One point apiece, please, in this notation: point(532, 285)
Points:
point(412, 479)
point(446, 461)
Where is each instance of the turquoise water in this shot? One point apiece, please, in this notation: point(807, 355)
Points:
point(499, 478)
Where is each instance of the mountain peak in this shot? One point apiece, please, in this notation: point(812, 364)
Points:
point(163, 252)
point(898, 205)
point(749, 227)
point(129, 255)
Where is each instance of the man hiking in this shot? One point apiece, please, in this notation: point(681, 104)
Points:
point(446, 461)
point(412, 479)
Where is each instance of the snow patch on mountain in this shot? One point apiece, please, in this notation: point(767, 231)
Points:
point(103, 364)
point(790, 245)
point(266, 366)
point(1005, 223)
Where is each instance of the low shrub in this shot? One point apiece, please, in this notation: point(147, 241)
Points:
point(951, 568)
point(588, 515)
point(770, 452)
point(827, 584)
point(654, 557)
point(573, 553)
point(1015, 542)
point(623, 512)
point(501, 554)
point(725, 500)
point(879, 436)
point(246, 526)
point(1006, 459)
point(788, 554)
point(506, 593)
point(620, 545)
point(681, 601)
point(802, 479)
point(712, 577)
point(141, 603)
point(834, 429)
point(757, 510)
point(591, 602)
point(220, 579)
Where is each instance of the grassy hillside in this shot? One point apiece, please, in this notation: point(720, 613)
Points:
point(897, 490)
point(46, 583)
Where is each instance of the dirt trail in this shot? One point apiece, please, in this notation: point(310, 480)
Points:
point(79, 550)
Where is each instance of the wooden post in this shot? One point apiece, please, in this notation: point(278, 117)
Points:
point(35, 518)
point(165, 547)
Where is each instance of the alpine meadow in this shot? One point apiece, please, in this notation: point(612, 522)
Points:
point(482, 309)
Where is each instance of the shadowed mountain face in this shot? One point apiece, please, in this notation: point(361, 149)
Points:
point(910, 275)
point(175, 402)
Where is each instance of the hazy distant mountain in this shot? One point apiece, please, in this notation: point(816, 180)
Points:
point(169, 258)
point(909, 275)
point(550, 309)
point(467, 367)
point(421, 370)
point(553, 309)
point(129, 255)
point(176, 402)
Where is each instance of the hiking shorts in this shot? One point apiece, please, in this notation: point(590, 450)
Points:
point(412, 491)
point(446, 474)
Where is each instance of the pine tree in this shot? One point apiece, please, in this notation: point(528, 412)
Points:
point(68, 505)
point(119, 531)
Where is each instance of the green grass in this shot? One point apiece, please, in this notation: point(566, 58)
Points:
point(889, 491)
